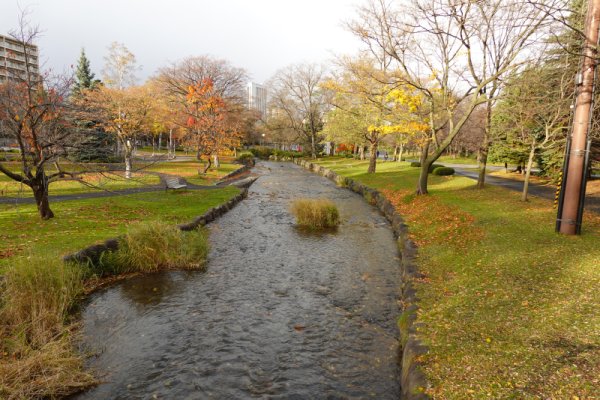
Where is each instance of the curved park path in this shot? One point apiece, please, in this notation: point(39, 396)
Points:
point(279, 313)
point(592, 203)
point(110, 193)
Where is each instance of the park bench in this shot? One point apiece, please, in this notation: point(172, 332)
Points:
point(172, 182)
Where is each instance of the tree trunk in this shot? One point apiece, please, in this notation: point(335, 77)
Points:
point(313, 147)
point(396, 150)
point(207, 166)
point(372, 158)
point(235, 152)
point(424, 173)
point(485, 146)
point(401, 152)
point(361, 152)
point(40, 192)
point(170, 153)
point(159, 141)
point(128, 156)
point(528, 173)
point(153, 145)
point(216, 160)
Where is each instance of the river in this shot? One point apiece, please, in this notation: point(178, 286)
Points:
point(279, 313)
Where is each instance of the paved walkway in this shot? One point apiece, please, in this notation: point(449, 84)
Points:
point(122, 192)
point(592, 203)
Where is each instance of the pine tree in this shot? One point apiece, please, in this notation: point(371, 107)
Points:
point(84, 76)
point(92, 143)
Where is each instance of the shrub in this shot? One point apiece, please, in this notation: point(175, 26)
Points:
point(316, 213)
point(443, 171)
point(284, 155)
point(262, 152)
point(245, 158)
point(417, 164)
point(150, 246)
point(434, 166)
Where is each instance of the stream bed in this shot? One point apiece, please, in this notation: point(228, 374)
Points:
point(280, 313)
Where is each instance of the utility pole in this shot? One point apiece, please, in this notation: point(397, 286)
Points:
point(573, 189)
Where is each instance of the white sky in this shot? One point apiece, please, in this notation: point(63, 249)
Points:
point(258, 35)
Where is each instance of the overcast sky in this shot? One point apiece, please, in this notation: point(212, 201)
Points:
point(258, 35)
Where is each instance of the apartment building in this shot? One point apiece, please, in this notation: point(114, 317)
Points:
point(12, 59)
point(257, 98)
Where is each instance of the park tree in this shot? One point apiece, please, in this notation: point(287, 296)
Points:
point(209, 129)
point(346, 125)
point(297, 102)
point(84, 77)
point(35, 114)
point(188, 86)
point(121, 112)
point(454, 53)
point(371, 97)
point(93, 144)
point(120, 66)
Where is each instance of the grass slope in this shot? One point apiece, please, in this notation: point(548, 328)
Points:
point(508, 307)
point(80, 223)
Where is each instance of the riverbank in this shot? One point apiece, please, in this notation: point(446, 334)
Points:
point(506, 309)
point(37, 357)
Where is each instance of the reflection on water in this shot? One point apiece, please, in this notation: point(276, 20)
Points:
point(279, 313)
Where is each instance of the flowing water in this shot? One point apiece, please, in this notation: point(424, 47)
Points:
point(279, 313)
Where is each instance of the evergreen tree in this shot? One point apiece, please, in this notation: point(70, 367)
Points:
point(84, 76)
point(92, 143)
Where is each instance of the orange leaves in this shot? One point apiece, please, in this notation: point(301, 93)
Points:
point(204, 97)
point(441, 223)
point(208, 119)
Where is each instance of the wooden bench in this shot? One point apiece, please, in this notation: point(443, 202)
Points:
point(172, 182)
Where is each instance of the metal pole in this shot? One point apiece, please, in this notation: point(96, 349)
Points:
point(581, 123)
point(586, 169)
point(564, 178)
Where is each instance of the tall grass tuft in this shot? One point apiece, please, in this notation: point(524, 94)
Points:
point(37, 295)
point(151, 246)
point(37, 359)
point(316, 213)
point(52, 371)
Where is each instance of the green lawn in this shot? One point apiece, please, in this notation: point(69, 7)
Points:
point(509, 308)
point(113, 180)
point(192, 170)
point(80, 223)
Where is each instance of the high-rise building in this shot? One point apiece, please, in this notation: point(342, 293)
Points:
point(257, 98)
point(13, 54)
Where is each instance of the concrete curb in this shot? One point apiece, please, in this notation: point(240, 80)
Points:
point(93, 253)
point(244, 168)
point(412, 380)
